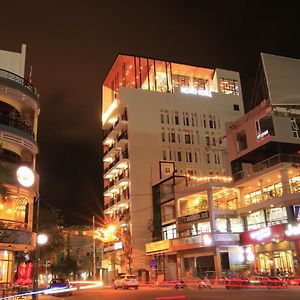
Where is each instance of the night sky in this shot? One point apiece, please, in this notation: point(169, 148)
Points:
point(71, 46)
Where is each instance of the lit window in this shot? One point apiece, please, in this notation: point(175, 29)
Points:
point(229, 86)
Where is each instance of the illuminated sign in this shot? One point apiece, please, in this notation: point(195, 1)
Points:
point(118, 246)
point(25, 176)
point(292, 230)
point(194, 91)
point(262, 134)
point(163, 245)
point(261, 234)
point(195, 217)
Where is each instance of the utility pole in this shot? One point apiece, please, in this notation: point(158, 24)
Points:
point(94, 251)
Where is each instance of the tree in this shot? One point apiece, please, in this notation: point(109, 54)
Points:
point(50, 223)
point(66, 267)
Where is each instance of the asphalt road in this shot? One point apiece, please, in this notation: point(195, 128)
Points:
point(172, 294)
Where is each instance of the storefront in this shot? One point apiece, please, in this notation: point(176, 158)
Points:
point(275, 248)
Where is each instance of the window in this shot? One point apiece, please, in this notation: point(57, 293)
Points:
point(229, 86)
point(187, 122)
point(179, 155)
point(207, 139)
point(256, 220)
point(295, 122)
point(199, 83)
point(163, 136)
point(176, 119)
point(196, 158)
point(208, 158)
point(164, 155)
point(264, 127)
point(241, 140)
point(179, 135)
point(204, 121)
point(236, 107)
point(211, 124)
point(173, 137)
point(162, 118)
point(180, 80)
point(214, 141)
point(168, 120)
point(169, 232)
point(187, 138)
point(189, 156)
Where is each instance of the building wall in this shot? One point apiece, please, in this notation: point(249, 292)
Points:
point(145, 146)
point(13, 62)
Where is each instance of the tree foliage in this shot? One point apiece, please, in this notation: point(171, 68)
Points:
point(65, 268)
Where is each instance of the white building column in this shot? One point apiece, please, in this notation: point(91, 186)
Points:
point(212, 219)
point(218, 264)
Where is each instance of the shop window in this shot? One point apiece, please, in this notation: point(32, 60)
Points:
point(256, 220)
point(241, 140)
point(229, 86)
point(236, 225)
point(221, 225)
point(276, 216)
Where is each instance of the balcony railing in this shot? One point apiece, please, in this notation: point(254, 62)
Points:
point(267, 195)
point(16, 123)
point(268, 163)
point(20, 80)
point(9, 224)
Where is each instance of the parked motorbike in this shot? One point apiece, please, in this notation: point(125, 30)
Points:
point(180, 285)
point(204, 284)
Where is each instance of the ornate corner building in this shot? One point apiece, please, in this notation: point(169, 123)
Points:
point(19, 110)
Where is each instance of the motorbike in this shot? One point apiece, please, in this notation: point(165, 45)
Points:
point(180, 285)
point(204, 284)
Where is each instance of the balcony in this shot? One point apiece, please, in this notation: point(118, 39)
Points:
point(18, 238)
point(17, 81)
point(268, 163)
point(6, 120)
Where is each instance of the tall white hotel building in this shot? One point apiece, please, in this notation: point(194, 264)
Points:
point(160, 119)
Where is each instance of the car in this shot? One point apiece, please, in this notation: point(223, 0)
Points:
point(126, 282)
point(236, 283)
point(58, 284)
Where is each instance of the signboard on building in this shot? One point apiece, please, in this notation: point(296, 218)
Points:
point(160, 246)
point(263, 235)
point(166, 169)
point(191, 218)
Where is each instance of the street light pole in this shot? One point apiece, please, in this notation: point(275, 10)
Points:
point(37, 251)
point(94, 251)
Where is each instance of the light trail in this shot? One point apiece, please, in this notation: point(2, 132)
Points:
point(87, 285)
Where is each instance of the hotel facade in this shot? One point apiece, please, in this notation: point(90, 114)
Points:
point(19, 110)
point(160, 119)
point(252, 223)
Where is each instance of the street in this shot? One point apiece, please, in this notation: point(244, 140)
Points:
point(169, 294)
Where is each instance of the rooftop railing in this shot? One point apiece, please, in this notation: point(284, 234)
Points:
point(20, 80)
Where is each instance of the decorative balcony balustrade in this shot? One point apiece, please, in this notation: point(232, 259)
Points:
point(16, 123)
point(4, 74)
point(15, 225)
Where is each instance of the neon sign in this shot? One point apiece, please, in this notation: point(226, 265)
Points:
point(261, 234)
point(292, 230)
point(194, 91)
